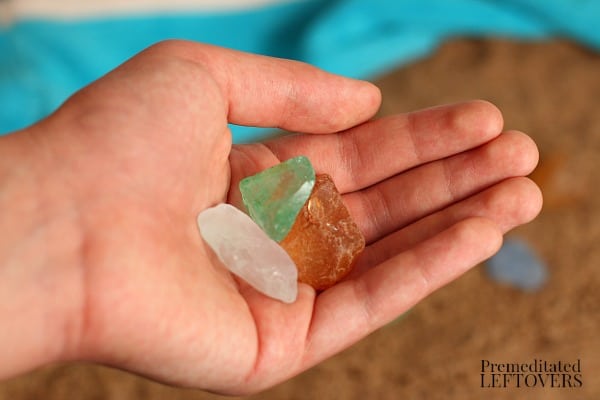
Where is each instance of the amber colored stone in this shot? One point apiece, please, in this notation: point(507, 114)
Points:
point(324, 241)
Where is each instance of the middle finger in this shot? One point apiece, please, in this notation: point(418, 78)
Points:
point(407, 197)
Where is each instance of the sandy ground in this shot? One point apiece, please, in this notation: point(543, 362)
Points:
point(550, 90)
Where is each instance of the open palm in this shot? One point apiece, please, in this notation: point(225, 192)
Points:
point(143, 150)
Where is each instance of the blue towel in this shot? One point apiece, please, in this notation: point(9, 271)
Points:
point(44, 60)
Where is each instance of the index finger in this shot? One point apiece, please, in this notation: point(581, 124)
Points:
point(379, 149)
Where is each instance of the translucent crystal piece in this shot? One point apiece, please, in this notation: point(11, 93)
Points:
point(275, 196)
point(248, 252)
point(324, 241)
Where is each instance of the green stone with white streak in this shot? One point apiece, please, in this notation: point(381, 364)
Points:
point(275, 196)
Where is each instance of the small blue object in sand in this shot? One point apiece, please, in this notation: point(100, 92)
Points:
point(517, 265)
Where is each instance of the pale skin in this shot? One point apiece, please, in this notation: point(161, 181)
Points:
point(101, 259)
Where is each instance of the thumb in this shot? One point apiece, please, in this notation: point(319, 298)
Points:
point(271, 92)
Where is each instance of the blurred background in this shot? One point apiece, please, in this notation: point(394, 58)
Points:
point(537, 61)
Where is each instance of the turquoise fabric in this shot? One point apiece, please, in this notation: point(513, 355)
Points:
point(42, 62)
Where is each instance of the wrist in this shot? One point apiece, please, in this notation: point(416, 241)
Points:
point(40, 248)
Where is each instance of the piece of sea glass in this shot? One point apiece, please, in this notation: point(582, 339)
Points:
point(275, 196)
point(248, 252)
point(324, 242)
point(517, 265)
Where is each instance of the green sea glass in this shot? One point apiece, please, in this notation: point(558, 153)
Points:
point(275, 196)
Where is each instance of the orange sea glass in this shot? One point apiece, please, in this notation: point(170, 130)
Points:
point(324, 241)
